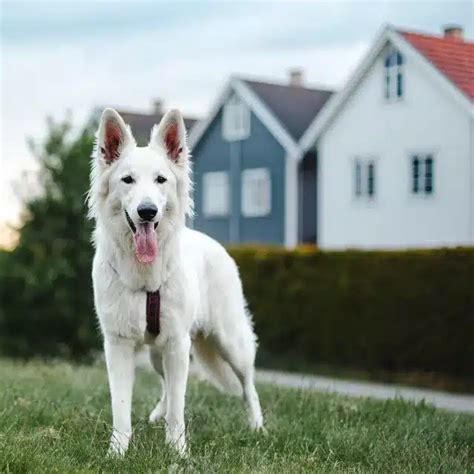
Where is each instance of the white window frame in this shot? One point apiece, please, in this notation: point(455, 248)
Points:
point(361, 178)
point(256, 180)
point(391, 72)
point(421, 189)
point(215, 194)
point(235, 120)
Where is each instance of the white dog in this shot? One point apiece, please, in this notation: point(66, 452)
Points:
point(159, 283)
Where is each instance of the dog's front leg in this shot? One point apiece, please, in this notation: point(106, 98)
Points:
point(119, 354)
point(176, 366)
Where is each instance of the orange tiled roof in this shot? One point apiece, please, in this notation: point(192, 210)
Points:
point(453, 57)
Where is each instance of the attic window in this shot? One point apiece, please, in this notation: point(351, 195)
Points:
point(393, 75)
point(236, 120)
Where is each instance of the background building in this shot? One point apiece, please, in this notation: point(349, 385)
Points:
point(396, 146)
point(247, 166)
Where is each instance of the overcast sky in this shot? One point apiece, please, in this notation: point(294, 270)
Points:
point(59, 56)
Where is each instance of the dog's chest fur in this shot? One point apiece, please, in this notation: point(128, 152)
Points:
point(122, 306)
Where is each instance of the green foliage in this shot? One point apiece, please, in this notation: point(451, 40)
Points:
point(56, 418)
point(45, 284)
point(392, 311)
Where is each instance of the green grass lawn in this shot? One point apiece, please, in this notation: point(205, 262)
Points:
point(55, 417)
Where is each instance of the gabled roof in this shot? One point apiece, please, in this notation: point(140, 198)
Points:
point(294, 106)
point(426, 56)
point(141, 124)
point(453, 57)
point(285, 110)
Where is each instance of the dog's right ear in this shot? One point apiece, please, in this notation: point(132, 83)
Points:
point(113, 136)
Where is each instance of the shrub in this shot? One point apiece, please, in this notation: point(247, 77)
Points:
point(394, 310)
point(45, 285)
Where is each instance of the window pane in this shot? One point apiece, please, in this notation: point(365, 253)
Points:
point(371, 179)
point(215, 193)
point(429, 175)
point(399, 82)
point(415, 174)
point(387, 83)
point(236, 120)
point(358, 178)
point(256, 192)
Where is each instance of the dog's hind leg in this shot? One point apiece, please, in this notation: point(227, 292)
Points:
point(239, 352)
point(160, 409)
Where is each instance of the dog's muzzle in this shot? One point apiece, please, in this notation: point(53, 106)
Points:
point(132, 225)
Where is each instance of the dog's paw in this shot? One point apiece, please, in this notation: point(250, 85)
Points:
point(157, 413)
point(118, 444)
point(177, 441)
point(261, 430)
point(256, 424)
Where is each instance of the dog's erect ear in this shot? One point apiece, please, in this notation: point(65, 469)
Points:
point(113, 136)
point(171, 135)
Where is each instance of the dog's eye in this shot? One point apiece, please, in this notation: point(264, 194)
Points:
point(128, 180)
point(161, 179)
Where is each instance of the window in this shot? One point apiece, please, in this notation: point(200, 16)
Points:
point(364, 178)
point(256, 192)
point(393, 75)
point(422, 174)
point(215, 196)
point(236, 120)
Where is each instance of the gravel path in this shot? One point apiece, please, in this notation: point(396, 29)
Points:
point(447, 401)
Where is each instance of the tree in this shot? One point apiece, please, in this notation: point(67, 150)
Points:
point(46, 305)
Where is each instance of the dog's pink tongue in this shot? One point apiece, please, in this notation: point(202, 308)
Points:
point(145, 242)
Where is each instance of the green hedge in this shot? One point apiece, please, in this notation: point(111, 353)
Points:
point(376, 311)
point(389, 311)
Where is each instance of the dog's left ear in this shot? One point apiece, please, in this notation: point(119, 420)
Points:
point(170, 134)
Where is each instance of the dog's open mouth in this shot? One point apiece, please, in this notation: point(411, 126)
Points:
point(144, 238)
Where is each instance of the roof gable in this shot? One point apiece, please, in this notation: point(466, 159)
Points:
point(285, 111)
point(294, 106)
point(337, 101)
point(452, 57)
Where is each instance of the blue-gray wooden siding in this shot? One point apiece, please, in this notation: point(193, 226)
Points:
point(260, 150)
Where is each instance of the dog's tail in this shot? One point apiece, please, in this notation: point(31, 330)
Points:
point(213, 367)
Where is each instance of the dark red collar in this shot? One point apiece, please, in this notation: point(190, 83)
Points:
point(153, 303)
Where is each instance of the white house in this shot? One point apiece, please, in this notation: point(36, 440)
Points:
point(396, 146)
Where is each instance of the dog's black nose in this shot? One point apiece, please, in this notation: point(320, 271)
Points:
point(147, 211)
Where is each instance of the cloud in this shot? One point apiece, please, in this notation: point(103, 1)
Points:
point(88, 54)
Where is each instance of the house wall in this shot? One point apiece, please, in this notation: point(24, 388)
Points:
point(425, 120)
point(260, 150)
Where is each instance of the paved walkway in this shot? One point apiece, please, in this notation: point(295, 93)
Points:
point(448, 401)
point(352, 388)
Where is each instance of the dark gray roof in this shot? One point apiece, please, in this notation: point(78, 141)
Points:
point(294, 106)
point(142, 124)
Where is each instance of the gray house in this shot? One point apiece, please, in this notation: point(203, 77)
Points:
point(251, 182)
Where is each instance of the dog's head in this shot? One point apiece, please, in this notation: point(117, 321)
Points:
point(142, 192)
